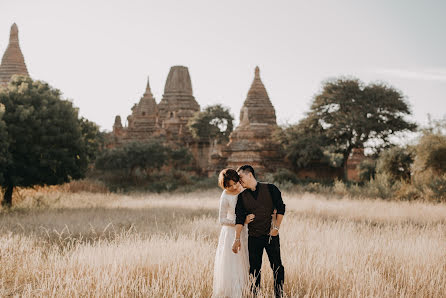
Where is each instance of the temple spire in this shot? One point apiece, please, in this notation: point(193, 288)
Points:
point(13, 62)
point(257, 90)
point(257, 73)
point(148, 93)
point(257, 107)
point(14, 34)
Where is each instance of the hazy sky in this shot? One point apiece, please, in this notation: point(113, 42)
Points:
point(99, 53)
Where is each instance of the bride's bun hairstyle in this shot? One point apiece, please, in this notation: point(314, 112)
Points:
point(227, 175)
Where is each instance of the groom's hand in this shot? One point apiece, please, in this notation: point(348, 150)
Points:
point(274, 232)
point(236, 246)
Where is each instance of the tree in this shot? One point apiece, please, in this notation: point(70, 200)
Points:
point(302, 143)
point(214, 122)
point(431, 154)
point(44, 136)
point(396, 162)
point(127, 159)
point(4, 155)
point(93, 138)
point(357, 116)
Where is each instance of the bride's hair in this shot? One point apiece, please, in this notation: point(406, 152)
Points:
point(227, 175)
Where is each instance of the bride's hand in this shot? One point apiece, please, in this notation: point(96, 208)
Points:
point(249, 218)
point(236, 246)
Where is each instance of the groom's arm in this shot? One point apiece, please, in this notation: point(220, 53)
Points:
point(279, 205)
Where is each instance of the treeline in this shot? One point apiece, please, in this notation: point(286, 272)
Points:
point(44, 142)
point(411, 172)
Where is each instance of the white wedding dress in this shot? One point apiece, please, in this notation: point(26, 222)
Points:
point(230, 270)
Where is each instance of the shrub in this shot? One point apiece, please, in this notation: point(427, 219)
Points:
point(430, 159)
point(283, 176)
point(367, 169)
point(396, 163)
point(382, 186)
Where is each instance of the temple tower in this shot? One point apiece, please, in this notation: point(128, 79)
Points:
point(251, 142)
point(144, 117)
point(13, 62)
point(178, 104)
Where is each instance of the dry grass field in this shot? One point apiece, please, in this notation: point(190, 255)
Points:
point(101, 245)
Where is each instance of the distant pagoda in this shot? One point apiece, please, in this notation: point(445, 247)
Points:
point(168, 119)
point(178, 104)
point(13, 62)
point(252, 140)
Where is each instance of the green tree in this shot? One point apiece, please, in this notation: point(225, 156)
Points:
point(4, 154)
point(302, 143)
point(354, 115)
point(396, 162)
point(179, 157)
point(44, 136)
point(132, 157)
point(93, 138)
point(214, 122)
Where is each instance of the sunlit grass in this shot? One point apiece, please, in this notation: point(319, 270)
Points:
point(83, 244)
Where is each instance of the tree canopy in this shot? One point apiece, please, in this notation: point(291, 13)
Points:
point(213, 123)
point(45, 144)
point(3, 144)
point(93, 138)
point(145, 156)
point(351, 115)
point(303, 143)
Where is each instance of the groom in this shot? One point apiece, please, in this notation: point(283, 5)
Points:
point(260, 199)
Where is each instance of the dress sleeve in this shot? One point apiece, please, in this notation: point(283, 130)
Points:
point(223, 211)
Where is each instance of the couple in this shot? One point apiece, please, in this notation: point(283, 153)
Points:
point(250, 214)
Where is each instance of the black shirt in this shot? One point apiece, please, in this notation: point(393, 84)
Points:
point(276, 195)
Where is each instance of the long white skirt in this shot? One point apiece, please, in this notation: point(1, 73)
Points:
point(230, 270)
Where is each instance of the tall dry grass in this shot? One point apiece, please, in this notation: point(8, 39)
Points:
point(83, 244)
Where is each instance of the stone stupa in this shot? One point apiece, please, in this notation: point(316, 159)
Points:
point(252, 140)
point(144, 117)
point(13, 62)
point(178, 104)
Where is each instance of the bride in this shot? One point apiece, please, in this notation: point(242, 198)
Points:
point(230, 270)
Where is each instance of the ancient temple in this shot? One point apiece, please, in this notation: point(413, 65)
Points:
point(178, 104)
point(252, 140)
point(13, 62)
point(168, 119)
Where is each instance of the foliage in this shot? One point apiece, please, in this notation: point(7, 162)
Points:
point(93, 138)
point(44, 136)
point(149, 165)
point(396, 162)
point(431, 155)
point(367, 169)
point(133, 157)
point(353, 115)
point(284, 175)
point(302, 143)
point(179, 158)
point(213, 123)
point(3, 144)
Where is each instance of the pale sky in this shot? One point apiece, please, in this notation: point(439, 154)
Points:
point(99, 53)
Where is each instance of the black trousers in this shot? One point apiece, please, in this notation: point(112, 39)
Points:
point(256, 246)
